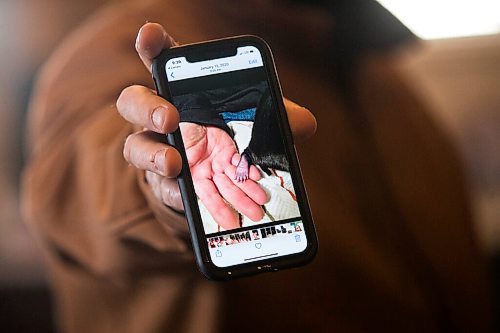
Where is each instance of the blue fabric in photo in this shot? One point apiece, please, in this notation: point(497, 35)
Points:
point(243, 115)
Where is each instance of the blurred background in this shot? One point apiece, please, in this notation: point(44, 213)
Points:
point(29, 31)
point(455, 69)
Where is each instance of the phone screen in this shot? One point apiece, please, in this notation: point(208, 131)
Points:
point(237, 156)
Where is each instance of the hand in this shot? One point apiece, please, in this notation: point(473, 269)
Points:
point(210, 152)
point(162, 163)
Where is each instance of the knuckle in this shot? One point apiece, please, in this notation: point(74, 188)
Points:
point(152, 157)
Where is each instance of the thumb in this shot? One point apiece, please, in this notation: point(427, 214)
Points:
point(151, 40)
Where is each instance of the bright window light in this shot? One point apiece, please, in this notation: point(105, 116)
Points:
point(432, 19)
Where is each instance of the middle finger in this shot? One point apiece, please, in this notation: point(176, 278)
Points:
point(146, 152)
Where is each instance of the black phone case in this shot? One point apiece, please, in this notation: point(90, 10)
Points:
point(189, 199)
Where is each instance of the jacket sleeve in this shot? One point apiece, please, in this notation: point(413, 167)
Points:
point(85, 204)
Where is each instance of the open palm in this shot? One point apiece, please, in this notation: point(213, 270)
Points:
point(212, 157)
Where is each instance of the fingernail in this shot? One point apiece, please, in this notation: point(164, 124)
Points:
point(158, 118)
point(160, 161)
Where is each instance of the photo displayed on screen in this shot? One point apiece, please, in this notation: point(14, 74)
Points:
point(235, 149)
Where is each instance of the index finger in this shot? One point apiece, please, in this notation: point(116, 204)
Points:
point(151, 40)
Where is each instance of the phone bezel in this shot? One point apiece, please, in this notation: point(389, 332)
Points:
point(198, 236)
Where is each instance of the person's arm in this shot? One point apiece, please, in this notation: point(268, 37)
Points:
point(83, 199)
point(84, 202)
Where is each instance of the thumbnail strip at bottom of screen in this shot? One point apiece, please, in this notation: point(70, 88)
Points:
point(264, 229)
point(257, 226)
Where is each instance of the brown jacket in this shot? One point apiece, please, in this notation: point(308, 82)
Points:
point(396, 254)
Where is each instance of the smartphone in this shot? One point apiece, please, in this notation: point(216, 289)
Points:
point(241, 184)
